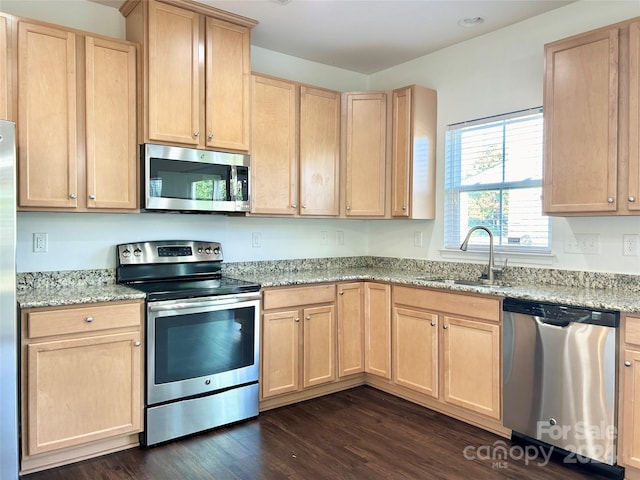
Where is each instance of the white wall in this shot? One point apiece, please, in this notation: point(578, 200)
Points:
point(496, 73)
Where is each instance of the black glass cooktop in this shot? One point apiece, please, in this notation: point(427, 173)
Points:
point(177, 289)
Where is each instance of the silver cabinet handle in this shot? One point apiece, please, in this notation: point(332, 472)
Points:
point(92, 197)
point(304, 205)
point(341, 292)
point(627, 363)
point(308, 317)
point(73, 196)
point(433, 324)
point(89, 319)
point(196, 133)
point(610, 200)
point(348, 207)
point(445, 326)
point(137, 344)
point(210, 136)
point(632, 199)
point(404, 208)
point(294, 206)
point(297, 319)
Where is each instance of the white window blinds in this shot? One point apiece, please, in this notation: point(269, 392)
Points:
point(493, 177)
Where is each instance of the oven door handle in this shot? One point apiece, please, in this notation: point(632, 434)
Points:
point(200, 303)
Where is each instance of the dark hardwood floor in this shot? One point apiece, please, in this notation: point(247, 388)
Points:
point(357, 434)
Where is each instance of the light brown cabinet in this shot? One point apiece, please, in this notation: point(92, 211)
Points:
point(196, 69)
point(592, 127)
point(365, 157)
point(5, 77)
point(76, 121)
point(295, 135)
point(447, 346)
point(350, 305)
point(81, 381)
point(298, 339)
point(377, 329)
point(413, 152)
point(629, 416)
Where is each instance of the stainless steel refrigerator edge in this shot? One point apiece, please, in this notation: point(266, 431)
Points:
point(8, 310)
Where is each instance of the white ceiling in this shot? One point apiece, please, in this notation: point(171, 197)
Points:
point(367, 36)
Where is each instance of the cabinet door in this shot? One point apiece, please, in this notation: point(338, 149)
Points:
point(366, 133)
point(280, 353)
point(319, 345)
point(471, 365)
point(401, 162)
point(227, 85)
point(319, 151)
point(631, 420)
point(377, 350)
point(581, 124)
point(274, 163)
point(83, 390)
point(173, 75)
point(415, 347)
point(111, 114)
point(633, 192)
point(350, 328)
point(4, 69)
point(47, 123)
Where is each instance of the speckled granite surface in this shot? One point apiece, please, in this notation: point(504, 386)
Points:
point(587, 289)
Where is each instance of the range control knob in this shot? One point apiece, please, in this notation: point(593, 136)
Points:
point(216, 250)
point(200, 250)
point(126, 253)
point(208, 250)
point(137, 252)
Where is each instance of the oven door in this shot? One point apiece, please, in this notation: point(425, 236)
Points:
point(200, 345)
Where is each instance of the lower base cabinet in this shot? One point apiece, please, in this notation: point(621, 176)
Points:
point(446, 346)
point(81, 381)
point(629, 410)
point(298, 339)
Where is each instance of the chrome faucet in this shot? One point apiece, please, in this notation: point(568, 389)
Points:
point(491, 275)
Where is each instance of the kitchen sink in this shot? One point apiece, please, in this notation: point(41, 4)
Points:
point(460, 281)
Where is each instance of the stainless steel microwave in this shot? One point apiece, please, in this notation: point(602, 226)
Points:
point(192, 180)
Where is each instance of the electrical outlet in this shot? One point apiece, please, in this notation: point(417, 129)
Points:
point(630, 245)
point(255, 240)
point(417, 239)
point(589, 243)
point(40, 242)
point(324, 237)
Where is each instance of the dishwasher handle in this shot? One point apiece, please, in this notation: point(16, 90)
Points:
point(562, 315)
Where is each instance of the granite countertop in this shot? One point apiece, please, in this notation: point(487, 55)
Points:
point(604, 298)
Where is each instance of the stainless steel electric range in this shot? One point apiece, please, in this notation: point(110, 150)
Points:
point(202, 337)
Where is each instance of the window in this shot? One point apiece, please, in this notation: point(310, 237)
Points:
point(493, 177)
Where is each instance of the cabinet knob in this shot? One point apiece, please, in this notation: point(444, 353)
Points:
point(196, 133)
point(294, 206)
point(610, 200)
point(404, 208)
point(210, 136)
point(445, 326)
point(348, 207)
point(73, 196)
point(304, 205)
point(89, 319)
point(341, 292)
point(308, 317)
point(632, 199)
point(627, 363)
point(297, 319)
point(137, 344)
point(92, 197)
point(433, 324)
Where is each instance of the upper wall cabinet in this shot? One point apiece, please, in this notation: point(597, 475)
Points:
point(196, 74)
point(591, 110)
point(413, 153)
point(5, 75)
point(76, 120)
point(365, 157)
point(295, 144)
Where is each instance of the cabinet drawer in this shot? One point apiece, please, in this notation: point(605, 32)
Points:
point(291, 297)
point(457, 303)
point(632, 330)
point(86, 318)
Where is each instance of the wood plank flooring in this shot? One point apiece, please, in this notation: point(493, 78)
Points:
point(358, 434)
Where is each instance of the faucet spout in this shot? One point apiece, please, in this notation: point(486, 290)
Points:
point(465, 244)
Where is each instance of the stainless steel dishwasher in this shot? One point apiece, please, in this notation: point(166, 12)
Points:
point(559, 377)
